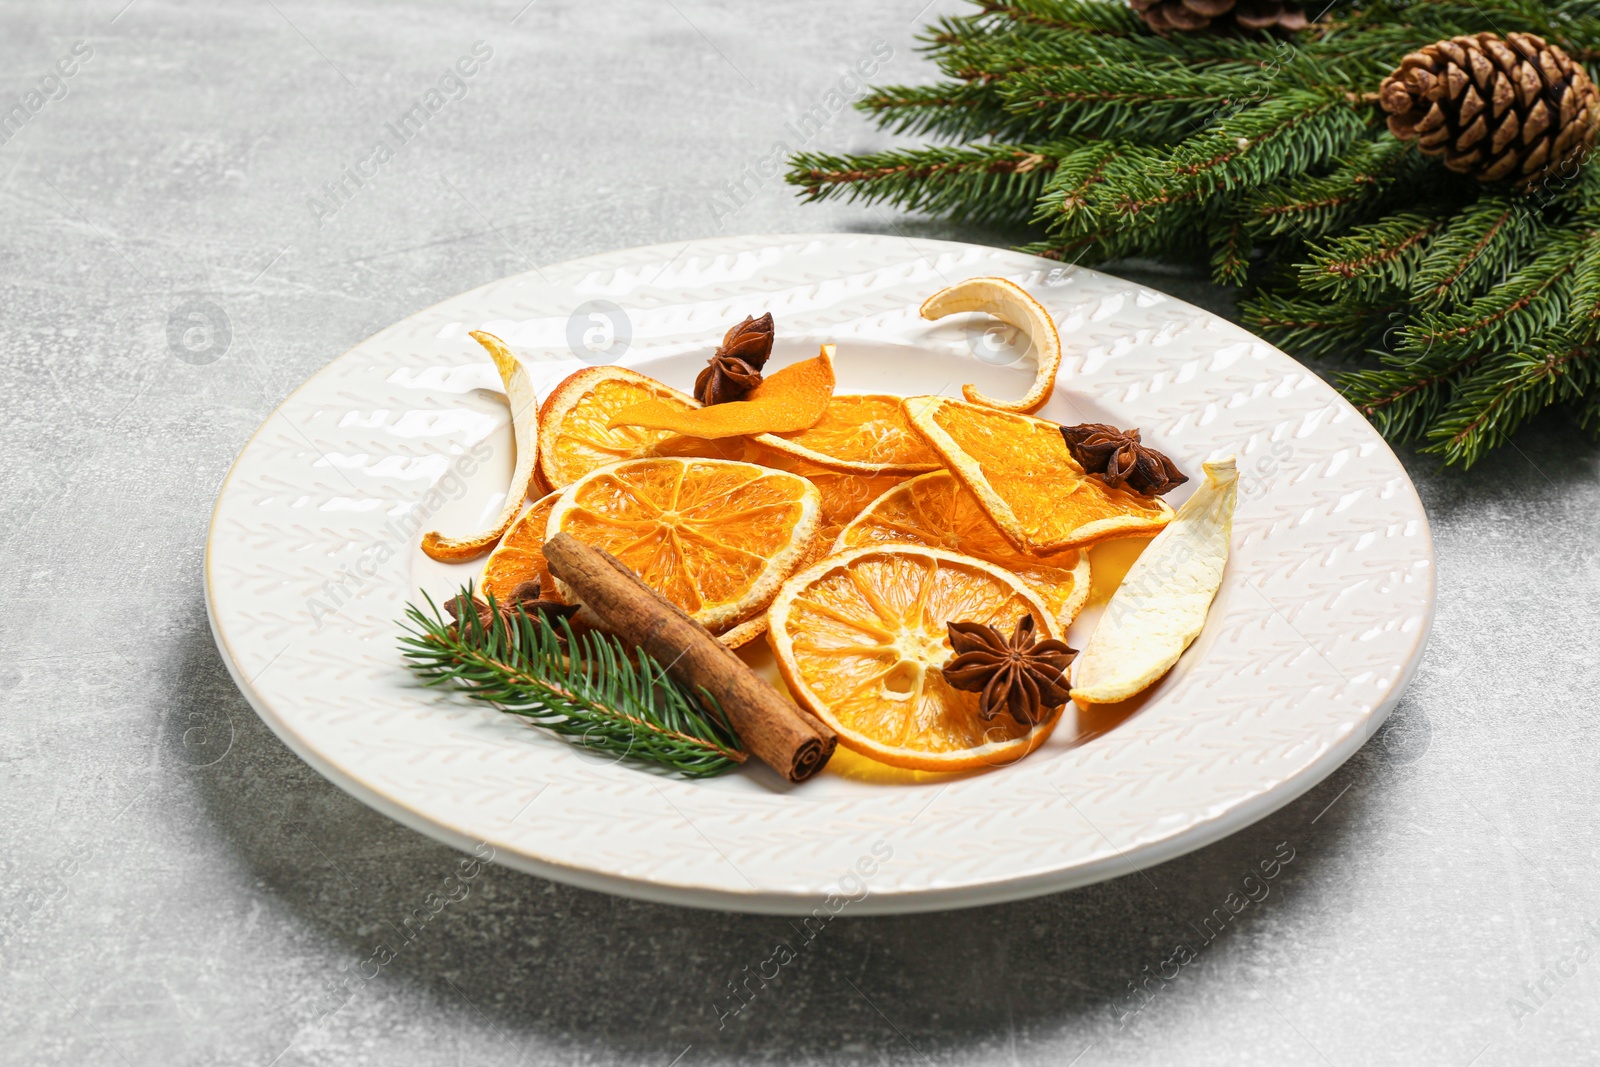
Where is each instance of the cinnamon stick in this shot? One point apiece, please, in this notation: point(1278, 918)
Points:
point(774, 729)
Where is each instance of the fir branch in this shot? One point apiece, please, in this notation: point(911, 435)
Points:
point(1370, 262)
point(1502, 393)
point(1313, 327)
point(1583, 311)
point(1076, 172)
point(1313, 205)
point(1474, 250)
point(986, 183)
point(1269, 157)
point(1077, 16)
point(1100, 221)
point(1293, 132)
point(1402, 403)
point(1157, 106)
point(1148, 200)
point(1527, 303)
point(1433, 385)
point(585, 687)
point(1230, 251)
point(955, 110)
point(980, 52)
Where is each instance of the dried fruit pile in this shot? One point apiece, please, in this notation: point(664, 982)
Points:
point(914, 561)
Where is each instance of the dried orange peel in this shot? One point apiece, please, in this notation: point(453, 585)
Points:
point(745, 632)
point(1011, 304)
point(525, 433)
point(787, 400)
point(1022, 475)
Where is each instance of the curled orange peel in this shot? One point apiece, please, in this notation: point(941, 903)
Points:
point(524, 432)
point(786, 401)
point(1011, 304)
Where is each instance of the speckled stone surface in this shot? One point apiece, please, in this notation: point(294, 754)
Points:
point(177, 888)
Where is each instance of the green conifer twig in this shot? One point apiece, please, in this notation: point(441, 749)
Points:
point(585, 687)
point(1268, 157)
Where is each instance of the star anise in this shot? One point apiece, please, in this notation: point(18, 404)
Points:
point(526, 596)
point(1023, 677)
point(735, 368)
point(1118, 459)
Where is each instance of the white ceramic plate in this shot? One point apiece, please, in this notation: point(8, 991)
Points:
point(1319, 624)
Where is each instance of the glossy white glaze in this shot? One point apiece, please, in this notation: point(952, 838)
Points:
point(1320, 622)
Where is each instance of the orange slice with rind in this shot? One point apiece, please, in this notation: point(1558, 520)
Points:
point(1022, 475)
point(844, 493)
point(715, 537)
point(860, 638)
point(859, 433)
point(1011, 304)
point(788, 400)
point(525, 435)
point(520, 555)
point(936, 510)
point(575, 435)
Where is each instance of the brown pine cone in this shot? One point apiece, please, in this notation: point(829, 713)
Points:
point(1166, 16)
point(1496, 108)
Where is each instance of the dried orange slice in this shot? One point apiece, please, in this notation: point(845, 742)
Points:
point(1019, 469)
point(524, 433)
point(520, 555)
point(859, 433)
point(860, 639)
point(520, 558)
point(715, 537)
point(844, 493)
point(574, 432)
point(935, 509)
point(1011, 304)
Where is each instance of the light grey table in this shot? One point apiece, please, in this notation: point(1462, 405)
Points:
point(211, 902)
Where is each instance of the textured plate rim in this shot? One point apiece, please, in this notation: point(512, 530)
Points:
point(1222, 822)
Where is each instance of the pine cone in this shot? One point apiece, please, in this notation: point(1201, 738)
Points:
point(1496, 108)
point(1165, 16)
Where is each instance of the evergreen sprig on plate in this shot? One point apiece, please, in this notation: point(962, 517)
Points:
point(587, 687)
point(1269, 158)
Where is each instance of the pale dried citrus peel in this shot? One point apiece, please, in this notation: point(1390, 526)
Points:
point(786, 401)
point(1161, 605)
point(524, 432)
point(1011, 304)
